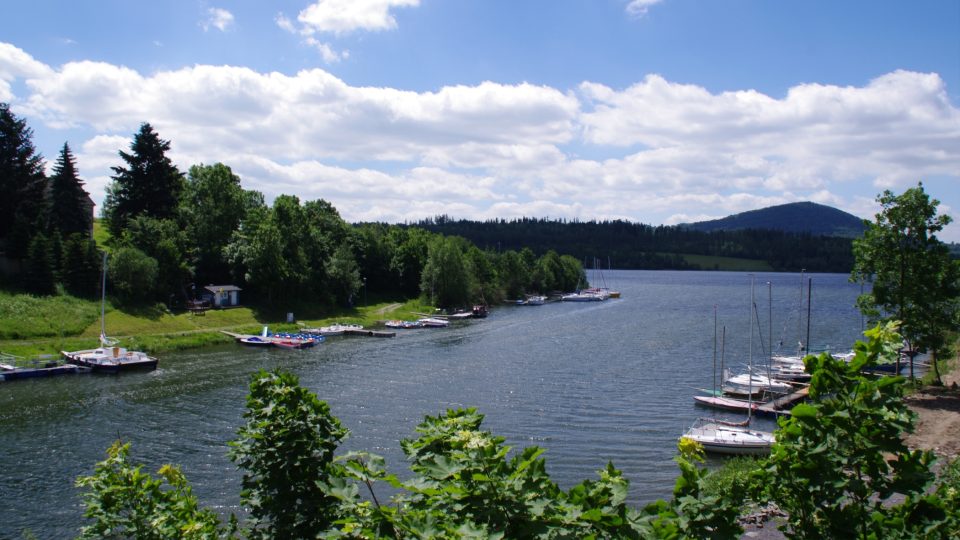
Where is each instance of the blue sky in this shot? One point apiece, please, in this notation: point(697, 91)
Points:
point(656, 111)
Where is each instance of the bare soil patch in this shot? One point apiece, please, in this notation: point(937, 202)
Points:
point(938, 416)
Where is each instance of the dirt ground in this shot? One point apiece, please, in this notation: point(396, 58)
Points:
point(938, 422)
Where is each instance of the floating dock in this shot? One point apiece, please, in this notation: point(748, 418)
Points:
point(14, 367)
point(352, 332)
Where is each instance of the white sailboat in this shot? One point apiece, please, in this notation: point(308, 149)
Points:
point(108, 357)
point(736, 438)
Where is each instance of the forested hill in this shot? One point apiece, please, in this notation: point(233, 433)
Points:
point(801, 217)
point(630, 245)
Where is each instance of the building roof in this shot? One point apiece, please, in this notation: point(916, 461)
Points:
point(222, 288)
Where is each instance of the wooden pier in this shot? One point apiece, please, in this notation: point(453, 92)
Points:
point(782, 405)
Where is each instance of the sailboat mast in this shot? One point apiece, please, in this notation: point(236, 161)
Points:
point(714, 350)
point(800, 316)
point(750, 358)
point(809, 288)
point(723, 351)
point(769, 329)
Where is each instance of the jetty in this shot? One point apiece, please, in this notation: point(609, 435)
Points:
point(352, 332)
point(783, 404)
point(15, 367)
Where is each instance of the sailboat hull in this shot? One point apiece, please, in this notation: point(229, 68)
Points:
point(718, 438)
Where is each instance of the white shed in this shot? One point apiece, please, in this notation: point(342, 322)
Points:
point(224, 295)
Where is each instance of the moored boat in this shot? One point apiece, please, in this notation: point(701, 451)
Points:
point(727, 438)
point(336, 329)
point(533, 300)
point(433, 322)
point(581, 296)
point(255, 341)
point(108, 357)
point(726, 403)
point(403, 324)
point(748, 384)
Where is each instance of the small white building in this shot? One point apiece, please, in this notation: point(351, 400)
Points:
point(224, 295)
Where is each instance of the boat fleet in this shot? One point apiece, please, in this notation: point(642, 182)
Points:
point(751, 393)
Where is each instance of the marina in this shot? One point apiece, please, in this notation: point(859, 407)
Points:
point(590, 382)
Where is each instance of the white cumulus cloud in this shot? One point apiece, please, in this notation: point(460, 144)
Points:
point(218, 18)
point(344, 16)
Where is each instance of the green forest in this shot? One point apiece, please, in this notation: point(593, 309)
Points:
point(170, 233)
point(627, 245)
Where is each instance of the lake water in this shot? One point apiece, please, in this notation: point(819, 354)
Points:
point(589, 382)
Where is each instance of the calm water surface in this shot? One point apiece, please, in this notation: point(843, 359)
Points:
point(589, 382)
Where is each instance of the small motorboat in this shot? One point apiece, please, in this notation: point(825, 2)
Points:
point(256, 341)
point(403, 324)
point(433, 322)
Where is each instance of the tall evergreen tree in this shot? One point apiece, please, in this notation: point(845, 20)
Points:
point(149, 185)
point(39, 275)
point(81, 266)
point(22, 183)
point(68, 213)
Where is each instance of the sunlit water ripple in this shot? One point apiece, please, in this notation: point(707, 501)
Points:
point(591, 383)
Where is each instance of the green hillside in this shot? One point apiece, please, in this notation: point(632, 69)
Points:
point(802, 217)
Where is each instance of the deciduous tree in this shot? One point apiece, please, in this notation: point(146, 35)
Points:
point(914, 281)
point(212, 206)
point(446, 279)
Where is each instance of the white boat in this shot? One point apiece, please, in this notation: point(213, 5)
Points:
point(582, 296)
point(726, 403)
point(747, 384)
point(724, 438)
point(336, 329)
point(108, 357)
point(532, 300)
point(433, 322)
point(403, 324)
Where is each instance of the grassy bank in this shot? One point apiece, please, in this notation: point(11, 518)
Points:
point(31, 325)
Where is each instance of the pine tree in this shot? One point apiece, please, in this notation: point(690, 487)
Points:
point(22, 183)
point(39, 278)
point(81, 266)
point(150, 185)
point(68, 213)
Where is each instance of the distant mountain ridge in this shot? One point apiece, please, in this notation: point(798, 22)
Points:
point(800, 217)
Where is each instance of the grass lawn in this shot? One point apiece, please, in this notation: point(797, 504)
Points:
point(36, 325)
